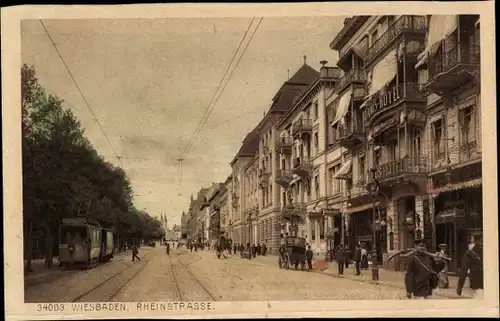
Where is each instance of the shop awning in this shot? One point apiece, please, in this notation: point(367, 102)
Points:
point(440, 26)
point(453, 187)
point(344, 171)
point(381, 127)
point(343, 106)
point(383, 72)
point(360, 208)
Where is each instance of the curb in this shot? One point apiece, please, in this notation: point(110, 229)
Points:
point(392, 285)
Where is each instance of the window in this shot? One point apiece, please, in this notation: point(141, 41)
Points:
point(316, 143)
point(376, 157)
point(437, 139)
point(391, 150)
point(361, 168)
point(416, 138)
point(316, 187)
point(374, 36)
point(467, 125)
point(335, 132)
point(335, 183)
point(316, 110)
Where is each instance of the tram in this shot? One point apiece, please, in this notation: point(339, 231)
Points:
point(83, 242)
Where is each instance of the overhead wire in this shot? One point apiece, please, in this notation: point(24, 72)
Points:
point(198, 127)
point(80, 91)
point(227, 81)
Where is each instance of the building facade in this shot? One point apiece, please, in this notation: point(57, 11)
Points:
point(404, 121)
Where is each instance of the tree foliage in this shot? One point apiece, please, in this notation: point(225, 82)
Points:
point(64, 176)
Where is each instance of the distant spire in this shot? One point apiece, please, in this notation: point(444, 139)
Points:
point(305, 59)
point(288, 74)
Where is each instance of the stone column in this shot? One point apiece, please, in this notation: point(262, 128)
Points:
point(419, 217)
point(432, 216)
point(309, 230)
point(317, 240)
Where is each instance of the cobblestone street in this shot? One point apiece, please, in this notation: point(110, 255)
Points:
point(201, 276)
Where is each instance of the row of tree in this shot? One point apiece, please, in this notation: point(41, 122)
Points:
point(64, 176)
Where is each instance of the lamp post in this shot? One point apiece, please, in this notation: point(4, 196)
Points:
point(249, 235)
point(374, 189)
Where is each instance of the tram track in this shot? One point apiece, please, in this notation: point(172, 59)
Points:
point(112, 277)
point(184, 267)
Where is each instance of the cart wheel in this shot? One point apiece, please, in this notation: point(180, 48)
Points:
point(296, 266)
point(302, 266)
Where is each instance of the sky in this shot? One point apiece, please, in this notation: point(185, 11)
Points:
point(149, 81)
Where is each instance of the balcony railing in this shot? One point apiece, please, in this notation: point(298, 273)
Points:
point(303, 124)
point(301, 161)
point(403, 24)
point(390, 96)
point(354, 75)
point(444, 62)
point(350, 128)
point(406, 165)
point(285, 142)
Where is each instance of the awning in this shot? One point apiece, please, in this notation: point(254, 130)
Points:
point(440, 26)
point(453, 187)
point(344, 171)
point(367, 101)
point(343, 107)
point(360, 50)
point(361, 208)
point(383, 72)
point(381, 127)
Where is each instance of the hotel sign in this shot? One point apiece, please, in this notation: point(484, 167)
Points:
point(384, 98)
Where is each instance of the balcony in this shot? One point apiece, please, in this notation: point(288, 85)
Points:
point(294, 212)
point(284, 177)
point(411, 25)
point(302, 127)
point(264, 178)
point(302, 167)
point(409, 168)
point(351, 134)
point(453, 68)
point(284, 145)
point(353, 76)
point(390, 97)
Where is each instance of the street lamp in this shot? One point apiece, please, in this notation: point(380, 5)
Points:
point(374, 190)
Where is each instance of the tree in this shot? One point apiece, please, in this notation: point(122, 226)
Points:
point(64, 176)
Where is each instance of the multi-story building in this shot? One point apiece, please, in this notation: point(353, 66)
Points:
point(449, 75)
point(226, 209)
point(251, 197)
point(242, 158)
point(303, 153)
point(407, 126)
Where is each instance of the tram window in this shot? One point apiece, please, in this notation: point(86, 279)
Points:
point(76, 234)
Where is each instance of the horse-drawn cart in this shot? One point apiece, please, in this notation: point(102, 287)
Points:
point(293, 252)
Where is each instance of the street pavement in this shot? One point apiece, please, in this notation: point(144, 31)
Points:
point(201, 276)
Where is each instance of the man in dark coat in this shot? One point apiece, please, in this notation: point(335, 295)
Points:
point(340, 258)
point(309, 257)
point(421, 272)
point(254, 250)
point(472, 266)
point(168, 248)
point(357, 259)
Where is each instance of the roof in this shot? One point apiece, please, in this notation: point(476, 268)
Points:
point(282, 102)
point(350, 26)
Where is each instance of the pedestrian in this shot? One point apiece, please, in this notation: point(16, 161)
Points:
point(472, 267)
point(340, 258)
point(168, 248)
point(444, 283)
point(264, 249)
point(421, 277)
point(357, 259)
point(196, 247)
point(254, 250)
point(364, 257)
point(309, 257)
point(135, 253)
point(347, 254)
point(259, 249)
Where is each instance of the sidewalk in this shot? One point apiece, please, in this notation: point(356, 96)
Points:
point(394, 279)
point(41, 274)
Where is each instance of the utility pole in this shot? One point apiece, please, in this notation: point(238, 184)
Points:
point(180, 160)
